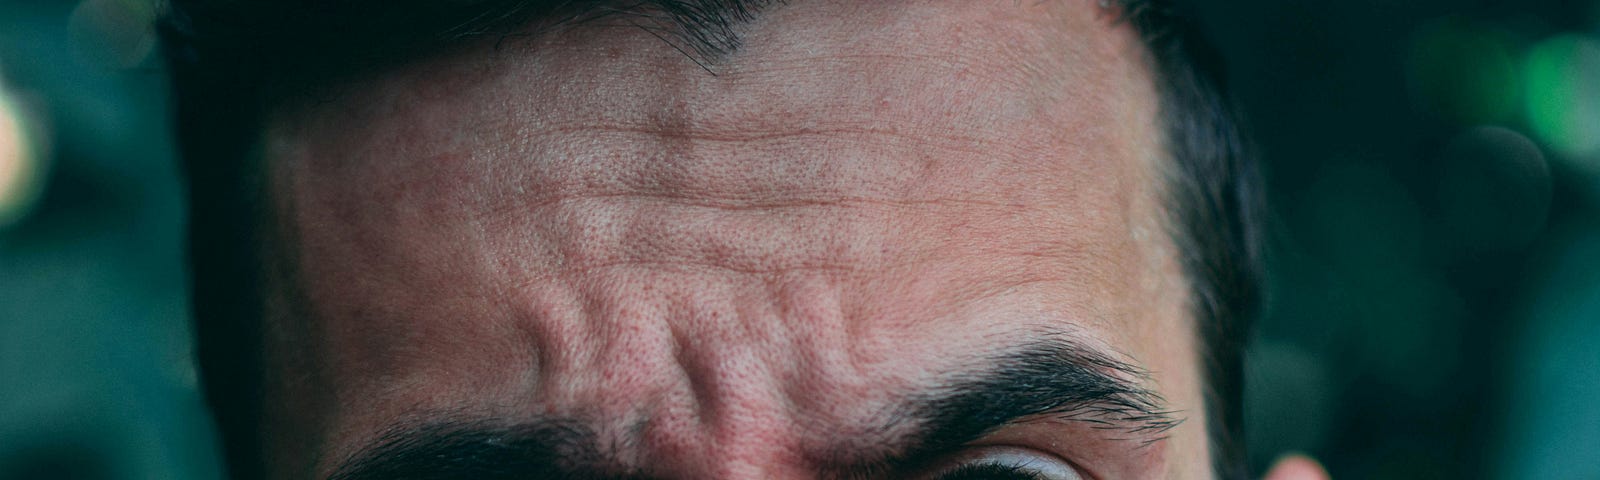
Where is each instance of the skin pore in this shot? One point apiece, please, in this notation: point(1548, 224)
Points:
point(756, 271)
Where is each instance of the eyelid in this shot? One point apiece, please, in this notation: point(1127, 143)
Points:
point(1045, 465)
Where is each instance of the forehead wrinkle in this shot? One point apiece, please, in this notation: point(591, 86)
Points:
point(837, 361)
point(558, 145)
point(822, 385)
point(720, 201)
point(610, 94)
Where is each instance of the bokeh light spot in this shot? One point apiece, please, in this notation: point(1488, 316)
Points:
point(1563, 94)
point(19, 161)
point(1464, 71)
point(1494, 190)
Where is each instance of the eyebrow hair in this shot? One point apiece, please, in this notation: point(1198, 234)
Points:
point(1053, 378)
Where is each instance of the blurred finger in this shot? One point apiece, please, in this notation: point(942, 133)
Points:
point(1297, 467)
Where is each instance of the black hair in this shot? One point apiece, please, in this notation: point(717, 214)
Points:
point(1214, 198)
point(233, 61)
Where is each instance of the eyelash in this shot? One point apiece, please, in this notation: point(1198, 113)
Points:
point(989, 471)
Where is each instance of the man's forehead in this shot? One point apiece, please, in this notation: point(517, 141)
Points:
point(856, 148)
point(925, 67)
point(993, 108)
point(584, 218)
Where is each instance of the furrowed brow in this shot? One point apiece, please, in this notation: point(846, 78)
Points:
point(1054, 377)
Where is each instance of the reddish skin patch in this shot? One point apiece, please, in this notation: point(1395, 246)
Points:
point(730, 274)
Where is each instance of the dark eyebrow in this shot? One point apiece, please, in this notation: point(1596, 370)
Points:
point(1053, 378)
point(480, 450)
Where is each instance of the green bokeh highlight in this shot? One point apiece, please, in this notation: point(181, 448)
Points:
point(1465, 71)
point(1563, 94)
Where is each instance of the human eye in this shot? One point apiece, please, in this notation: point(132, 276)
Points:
point(1005, 463)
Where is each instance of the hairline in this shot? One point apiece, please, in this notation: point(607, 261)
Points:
point(1175, 86)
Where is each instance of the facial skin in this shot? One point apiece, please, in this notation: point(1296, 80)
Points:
point(752, 274)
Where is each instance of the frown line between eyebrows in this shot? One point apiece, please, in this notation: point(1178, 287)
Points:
point(1052, 377)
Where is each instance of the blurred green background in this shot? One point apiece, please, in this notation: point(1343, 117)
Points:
point(1434, 168)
